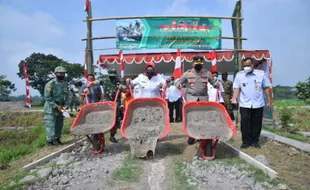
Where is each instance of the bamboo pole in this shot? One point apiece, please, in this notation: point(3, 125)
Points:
point(89, 46)
point(162, 16)
point(113, 37)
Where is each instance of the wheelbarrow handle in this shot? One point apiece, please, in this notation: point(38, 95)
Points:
point(116, 96)
point(183, 96)
point(86, 98)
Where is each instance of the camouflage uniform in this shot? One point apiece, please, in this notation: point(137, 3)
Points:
point(110, 90)
point(227, 96)
point(72, 100)
point(55, 94)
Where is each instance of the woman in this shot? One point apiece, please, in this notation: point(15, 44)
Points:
point(149, 83)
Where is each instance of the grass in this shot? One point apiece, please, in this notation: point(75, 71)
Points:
point(129, 172)
point(281, 103)
point(15, 144)
point(289, 135)
point(21, 119)
point(180, 177)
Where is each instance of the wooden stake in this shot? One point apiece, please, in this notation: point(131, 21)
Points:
point(89, 46)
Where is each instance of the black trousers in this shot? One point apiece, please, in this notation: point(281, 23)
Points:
point(174, 106)
point(251, 124)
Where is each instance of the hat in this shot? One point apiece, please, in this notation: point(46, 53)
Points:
point(198, 60)
point(60, 69)
point(150, 64)
point(112, 72)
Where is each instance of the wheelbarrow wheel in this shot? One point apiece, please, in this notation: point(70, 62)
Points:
point(96, 142)
point(209, 144)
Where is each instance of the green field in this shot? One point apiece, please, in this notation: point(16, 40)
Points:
point(281, 103)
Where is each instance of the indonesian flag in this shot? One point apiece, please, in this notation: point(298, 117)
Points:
point(28, 101)
point(87, 3)
point(177, 68)
point(212, 57)
point(121, 58)
point(85, 67)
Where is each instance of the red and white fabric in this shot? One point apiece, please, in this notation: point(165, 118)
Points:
point(122, 69)
point(86, 7)
point(28, 101)
point(177, 73)
point(212, 58)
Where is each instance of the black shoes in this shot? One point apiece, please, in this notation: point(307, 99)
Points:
point(191, 141)
point(257, 145)
point(58, 142)
point(113, 139)
point(50, 143)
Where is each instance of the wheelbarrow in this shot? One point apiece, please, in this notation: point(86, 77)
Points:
point(95, 119)
point(145, 121)
point(207, 122)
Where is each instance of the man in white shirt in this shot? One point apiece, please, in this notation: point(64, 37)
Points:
point(215, 94)
point(249, 86)
point(148, 84)
point(174, 99)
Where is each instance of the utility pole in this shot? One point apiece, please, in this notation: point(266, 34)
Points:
point(89, 43)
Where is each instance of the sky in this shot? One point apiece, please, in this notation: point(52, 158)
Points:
point(56, 27)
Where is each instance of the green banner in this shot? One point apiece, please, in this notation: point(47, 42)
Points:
point(169, 33)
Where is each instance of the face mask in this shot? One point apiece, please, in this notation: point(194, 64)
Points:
point(91, 80)
point(150, 73)
point(224, 78)
point(215, 78)
point(60, 77)
point(247, 69)
point(198, 67)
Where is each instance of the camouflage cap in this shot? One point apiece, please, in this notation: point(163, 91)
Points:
point(198, 60)
point(60, 69)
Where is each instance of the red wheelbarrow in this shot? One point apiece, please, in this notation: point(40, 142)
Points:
point(145, 121)
point(95, 118)
point(207, 122)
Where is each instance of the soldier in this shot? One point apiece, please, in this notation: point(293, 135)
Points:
point(72, 100)
point(196, 81)
point(227, 95)
point(111, 86)
point(56, 100)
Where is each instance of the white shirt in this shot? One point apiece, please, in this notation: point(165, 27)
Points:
point(148, 88)
point(251, 88)
point(173, 93)
point(214, 92)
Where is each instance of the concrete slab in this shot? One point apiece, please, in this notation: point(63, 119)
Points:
point(270, 172)
point(291, 142)
point(53, 155)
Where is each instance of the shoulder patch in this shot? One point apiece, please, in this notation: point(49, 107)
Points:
point(48, 87)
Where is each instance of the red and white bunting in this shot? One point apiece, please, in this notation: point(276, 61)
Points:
point(28, 101)
point(121, 58)
point(177, 73)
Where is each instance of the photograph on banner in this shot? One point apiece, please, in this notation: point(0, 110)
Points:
point(169, 33)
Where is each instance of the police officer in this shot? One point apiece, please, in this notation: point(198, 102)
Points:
point(111, 86)
point(56, 100)
point(227, 95)
point(196, 81)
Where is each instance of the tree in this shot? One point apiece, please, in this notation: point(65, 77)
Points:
point(303, 91)
point(6, 87)
point(40, 68)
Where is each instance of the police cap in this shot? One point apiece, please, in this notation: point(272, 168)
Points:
point(198, 60)
point(60, 69)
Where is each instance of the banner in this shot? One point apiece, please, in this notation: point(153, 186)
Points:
point(169, 33)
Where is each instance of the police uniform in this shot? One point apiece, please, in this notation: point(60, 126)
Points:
point(110, 89)
point(227, 96)
point(196, 84)
point(55, 94)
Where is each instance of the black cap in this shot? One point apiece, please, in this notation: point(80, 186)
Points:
point(198, 60)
